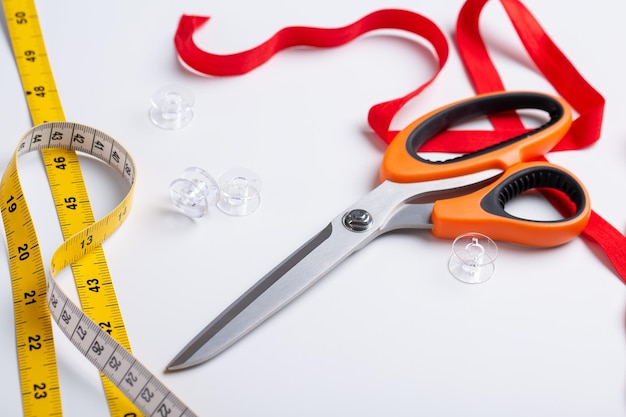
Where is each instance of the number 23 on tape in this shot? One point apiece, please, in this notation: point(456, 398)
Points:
point(133, 379)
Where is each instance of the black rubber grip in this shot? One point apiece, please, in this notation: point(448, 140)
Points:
point(477, 107)
point(543, 176)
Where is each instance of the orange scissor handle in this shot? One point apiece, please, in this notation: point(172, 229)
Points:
point(483, 211)
point(401, 162)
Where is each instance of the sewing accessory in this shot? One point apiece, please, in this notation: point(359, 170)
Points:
point(194, 192)
point(449, 198)
point(240, 190)
point(172, 107)
point(473, 258)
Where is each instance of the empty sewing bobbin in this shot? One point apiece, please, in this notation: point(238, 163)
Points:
point(473, 258)
point(194, 192)
point(172, 107)
point(239, 192)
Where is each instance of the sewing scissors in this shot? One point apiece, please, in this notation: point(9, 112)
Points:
point(450, 197)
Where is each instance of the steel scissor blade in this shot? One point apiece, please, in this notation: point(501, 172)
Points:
point(275, 290)
point(391, 206)
point(262, 300)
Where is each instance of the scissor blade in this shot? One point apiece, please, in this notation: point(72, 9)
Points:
point(262, 300)
point(391, 205)
point(288, 280)
point(275, 290)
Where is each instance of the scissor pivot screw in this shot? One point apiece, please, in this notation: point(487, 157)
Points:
point(358, 220)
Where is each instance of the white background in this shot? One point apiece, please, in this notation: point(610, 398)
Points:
point(390, 331)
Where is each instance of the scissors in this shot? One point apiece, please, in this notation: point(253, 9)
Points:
point(450, 197)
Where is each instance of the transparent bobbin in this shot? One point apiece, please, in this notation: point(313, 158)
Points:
point(172, 107)
point(194, 192)
point(239, 192)
point(473, 258)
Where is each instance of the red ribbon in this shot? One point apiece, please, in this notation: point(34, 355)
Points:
point(560, 72)
point(380, 115)
point(552, 63)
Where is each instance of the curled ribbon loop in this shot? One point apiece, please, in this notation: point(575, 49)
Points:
point(380, 115)
point(548, 58)
point(562, 74)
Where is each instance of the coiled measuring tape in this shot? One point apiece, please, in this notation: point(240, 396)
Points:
point(145, 391)
point(140, 391)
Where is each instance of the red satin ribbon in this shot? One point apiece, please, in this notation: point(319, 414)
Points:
point(553, 64)
point(560, 72)
point(380, 115)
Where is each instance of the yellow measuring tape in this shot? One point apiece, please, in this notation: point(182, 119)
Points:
point(147, 393)
point(135, 391)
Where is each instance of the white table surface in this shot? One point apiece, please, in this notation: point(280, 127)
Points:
point(390, 331)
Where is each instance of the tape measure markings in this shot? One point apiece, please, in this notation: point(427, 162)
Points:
point(108, 355)
point(113, 360)
point(32, 61)
point(44, 104)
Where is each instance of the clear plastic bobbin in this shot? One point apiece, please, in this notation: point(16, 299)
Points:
point(239, 192)
point(473, 258)
point(194, 192)
point(172, 107)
